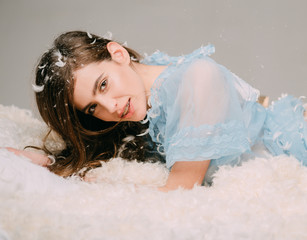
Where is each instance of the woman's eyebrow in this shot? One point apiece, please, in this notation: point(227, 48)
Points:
point(93, 91)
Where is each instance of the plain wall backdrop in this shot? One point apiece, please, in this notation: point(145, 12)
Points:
point(264, 42)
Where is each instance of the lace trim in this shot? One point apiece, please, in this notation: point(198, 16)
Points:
point(285, 130)
point(208, 142)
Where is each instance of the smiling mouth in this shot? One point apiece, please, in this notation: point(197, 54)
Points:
point(126, 109)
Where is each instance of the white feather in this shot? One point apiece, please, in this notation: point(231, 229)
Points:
point(133, 58)
point(42, 66)
point(287, 146)
point(89, 35)
point(60, 63)
point(108, 35)
point(276, 135)
point(180, 60)
point(296, 106)
point(145, 120)
point(144, 133)
point(52, 160)
point(37, 88)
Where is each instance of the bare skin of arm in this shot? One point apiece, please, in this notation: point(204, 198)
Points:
point(183, 174)
point(186, 174)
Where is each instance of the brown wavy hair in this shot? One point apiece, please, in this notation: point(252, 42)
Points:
point(88, 140)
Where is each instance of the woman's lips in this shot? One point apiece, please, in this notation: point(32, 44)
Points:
point(128, 110)
point(125, 109)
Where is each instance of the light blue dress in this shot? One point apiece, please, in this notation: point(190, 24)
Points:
point(200, 111)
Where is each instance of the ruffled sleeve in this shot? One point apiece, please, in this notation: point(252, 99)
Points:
point(198, 112)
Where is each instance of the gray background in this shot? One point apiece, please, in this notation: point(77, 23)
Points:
point(264, 41)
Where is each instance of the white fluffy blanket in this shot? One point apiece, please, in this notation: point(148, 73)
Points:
point(262, 199)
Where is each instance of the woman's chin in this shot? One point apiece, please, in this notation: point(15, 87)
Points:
point(137, 117)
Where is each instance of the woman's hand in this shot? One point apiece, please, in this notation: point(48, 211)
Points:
point(37, 158)
point(186, 174)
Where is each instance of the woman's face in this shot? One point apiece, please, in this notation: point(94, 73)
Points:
point(110, 91)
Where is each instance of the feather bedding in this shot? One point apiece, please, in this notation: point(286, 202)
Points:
point(265, 198)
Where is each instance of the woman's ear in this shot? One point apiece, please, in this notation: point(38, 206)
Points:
point(118, 53)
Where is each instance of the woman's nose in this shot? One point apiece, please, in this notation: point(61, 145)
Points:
point(110, 104)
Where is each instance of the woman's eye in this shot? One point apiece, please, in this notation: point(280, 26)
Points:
point(91, 109)
point(103, 85)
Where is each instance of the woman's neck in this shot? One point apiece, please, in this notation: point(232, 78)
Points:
point(148, 73)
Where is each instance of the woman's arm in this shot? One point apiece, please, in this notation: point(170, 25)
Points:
point(186, 175)
point(36, 158)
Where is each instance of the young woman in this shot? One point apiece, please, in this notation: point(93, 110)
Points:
point(95, 92)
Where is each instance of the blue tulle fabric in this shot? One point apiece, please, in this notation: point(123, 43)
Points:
point(200, 111)
point(285, 130)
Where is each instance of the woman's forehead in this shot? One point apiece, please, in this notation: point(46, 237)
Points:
point(86, 70)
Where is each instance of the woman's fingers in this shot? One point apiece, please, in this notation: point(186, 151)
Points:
point(37, 158)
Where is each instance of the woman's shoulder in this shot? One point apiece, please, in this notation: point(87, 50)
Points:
point(162, 58)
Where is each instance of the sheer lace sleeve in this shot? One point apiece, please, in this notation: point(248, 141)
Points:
point(201, 111)
point(209, 122)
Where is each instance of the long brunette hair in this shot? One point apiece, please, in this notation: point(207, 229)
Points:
point(88, 140)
